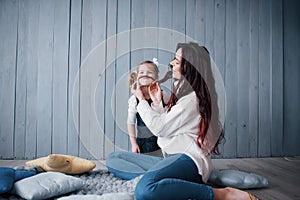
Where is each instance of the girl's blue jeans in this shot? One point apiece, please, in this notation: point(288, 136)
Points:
point(174, 177)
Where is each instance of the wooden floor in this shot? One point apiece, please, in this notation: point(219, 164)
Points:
point(283, 174)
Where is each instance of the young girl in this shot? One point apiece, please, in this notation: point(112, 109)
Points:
point(188, 130)
point(144, 141)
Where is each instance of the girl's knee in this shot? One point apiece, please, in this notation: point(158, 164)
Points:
point(114, 158)
point(112, 161)
point(114, 155)
point(111, 157)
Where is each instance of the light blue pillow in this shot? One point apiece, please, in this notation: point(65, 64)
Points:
point(7, 179)
point(237, 179)
point(46, 185)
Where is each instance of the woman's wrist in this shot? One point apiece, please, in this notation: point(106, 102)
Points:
point(156, 103)
point(141, 98)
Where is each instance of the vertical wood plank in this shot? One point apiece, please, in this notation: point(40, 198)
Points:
point(84, 87)
point(253, 80)
point(31, 63)
point(291, 73)
point(190, 18)
point(179, 21)
point(243, 52)
point(219, 49)
point(137, 40)
point(200, 22)
point(93, 36)
point(60, 76)
point(8, 57)
point(152, 35)
point(84, 84)
point(277, 79)
point(219, 36)
point(165, 37)
point(122, 68)
point(209, 26)
point(74, 64)
point(44, 87)
point(151, 20)
point(86, 30)
point(231, 79)
point(110, 74)
point(21, 74)
point(99, 35)
point(165, 23)
point(178, 24)
point(264, 78)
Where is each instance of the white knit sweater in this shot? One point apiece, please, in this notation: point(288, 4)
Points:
point(177, 130)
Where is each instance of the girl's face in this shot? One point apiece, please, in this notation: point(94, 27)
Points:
point(146, 74)
point(176, 63)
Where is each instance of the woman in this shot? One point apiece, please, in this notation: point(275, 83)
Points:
point(188, 132)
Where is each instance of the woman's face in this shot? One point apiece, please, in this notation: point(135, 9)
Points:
point(146, 74)
point(176, 63)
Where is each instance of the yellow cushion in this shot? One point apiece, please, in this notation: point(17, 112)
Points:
point(63, 163)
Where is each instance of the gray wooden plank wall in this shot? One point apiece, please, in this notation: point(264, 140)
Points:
point(50, 103)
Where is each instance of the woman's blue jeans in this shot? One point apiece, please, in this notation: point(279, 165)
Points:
point(174, 177)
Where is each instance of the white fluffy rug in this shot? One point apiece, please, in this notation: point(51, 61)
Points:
point(101, 181)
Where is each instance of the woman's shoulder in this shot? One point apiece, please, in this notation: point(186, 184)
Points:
point(191, 97)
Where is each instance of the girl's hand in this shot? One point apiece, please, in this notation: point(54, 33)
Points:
point(138, 92)
point(155, 93)
point(135, 148)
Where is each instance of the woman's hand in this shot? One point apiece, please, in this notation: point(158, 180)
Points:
point(138, 91)
point(155, 93)
point(133, 87)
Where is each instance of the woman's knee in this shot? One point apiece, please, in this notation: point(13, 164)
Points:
point(144, 190)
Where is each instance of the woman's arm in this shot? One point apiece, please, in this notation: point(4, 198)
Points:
point(173, 122)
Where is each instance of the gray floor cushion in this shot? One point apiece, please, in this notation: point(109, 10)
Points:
point(46, 185)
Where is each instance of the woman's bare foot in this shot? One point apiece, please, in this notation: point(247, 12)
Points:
point(232, 194)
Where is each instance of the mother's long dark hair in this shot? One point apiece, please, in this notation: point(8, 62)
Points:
point(197, 75)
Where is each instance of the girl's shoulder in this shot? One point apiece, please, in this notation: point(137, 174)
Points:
point(132, 100)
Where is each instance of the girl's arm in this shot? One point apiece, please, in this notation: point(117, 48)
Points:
point(131, 120)
point(134, 146)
